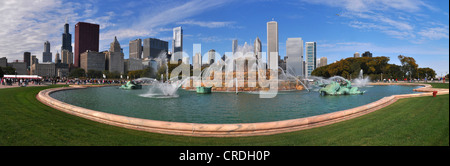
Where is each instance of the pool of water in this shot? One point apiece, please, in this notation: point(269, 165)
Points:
point(221, 107)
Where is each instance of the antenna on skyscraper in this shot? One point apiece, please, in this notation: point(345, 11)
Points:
point(66, 20)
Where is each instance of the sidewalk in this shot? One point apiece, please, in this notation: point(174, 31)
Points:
point(15, 85)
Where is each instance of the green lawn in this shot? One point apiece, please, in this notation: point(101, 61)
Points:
point(414, 121)
point(439, 85)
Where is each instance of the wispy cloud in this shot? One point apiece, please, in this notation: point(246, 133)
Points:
point(435, 33)
point(375, 5)
point(153, 20)
point(399, 19)
point(26, 25)
point(210, 24)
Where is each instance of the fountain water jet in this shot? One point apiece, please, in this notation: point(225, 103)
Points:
point(361, 81)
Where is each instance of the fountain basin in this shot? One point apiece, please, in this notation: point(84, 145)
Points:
point(220, 130)
point(225, 107)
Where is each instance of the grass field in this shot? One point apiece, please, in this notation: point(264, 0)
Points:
point(413, 121)
point(439, 85)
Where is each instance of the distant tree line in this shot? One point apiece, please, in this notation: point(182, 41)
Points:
point(80, 73)
point(7, 71)
point(376, 68)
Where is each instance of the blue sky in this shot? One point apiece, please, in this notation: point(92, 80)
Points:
point(414, 28)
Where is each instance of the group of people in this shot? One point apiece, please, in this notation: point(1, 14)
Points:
point(25, 82)
point(19, 81)
point(93, 81)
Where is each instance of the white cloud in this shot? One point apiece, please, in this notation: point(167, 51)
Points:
point(27, 24)
point(366, 25)
point(435, 33)
point(210, 24)
point(152, 20)
point(174, 13)
point(103, 21)
point(375, 5)
point(401, 19)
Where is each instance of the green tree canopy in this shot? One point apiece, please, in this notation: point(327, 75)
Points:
point(76, 73)
point(350, 67)
point(426, 72)
point(376, 68)
point(94, 74)
point(1, 72)
point(409, 65)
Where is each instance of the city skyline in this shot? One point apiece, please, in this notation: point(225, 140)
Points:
point(412, 28)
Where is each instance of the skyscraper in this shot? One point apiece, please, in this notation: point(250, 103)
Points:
point(234, 46)
point(57, 58)
point(114, 57)
point(177, 44)
point(135, 49)
point(310, 57)
point(154, 47)
point(294, 52)
point(211, 56)
point(27, 58)
point(86, 38)
point(356, 55)
point(66, 39)
point(197, 61)
point(272, 43)
point(322, 62)
point(66, 57)
point(47, 55)
point(257, 48)
point(92, 60)
point(367, 54)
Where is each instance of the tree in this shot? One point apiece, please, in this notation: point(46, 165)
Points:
point(426, 72)
point(76, 73)
point(1, 72)
point(9, 70)
point(113, 75)
point(393, 71)
point(94, 74)
point(409, 66)
point(350, 67)
point(148, 72)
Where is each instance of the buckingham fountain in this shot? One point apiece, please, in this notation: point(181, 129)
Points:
point(172, 106)
point(244, 72)
point(241, 72)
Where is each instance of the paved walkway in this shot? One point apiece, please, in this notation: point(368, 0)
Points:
point(15, 85)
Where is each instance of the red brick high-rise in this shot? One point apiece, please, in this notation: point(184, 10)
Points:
point(86, 38)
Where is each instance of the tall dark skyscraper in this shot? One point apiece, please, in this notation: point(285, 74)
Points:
point(66, 39)
point(26, 58)
point(47, 55)
point(86, 38)
point(177, 44)
point(367, 54)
